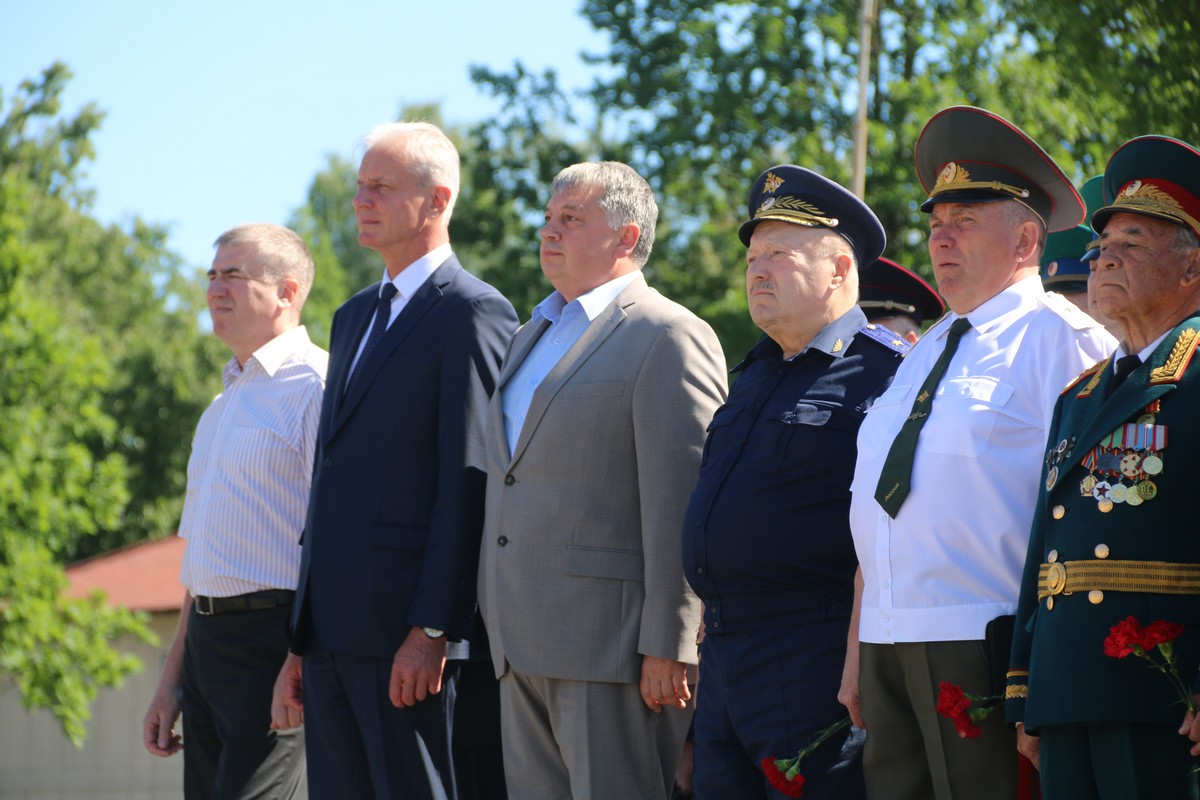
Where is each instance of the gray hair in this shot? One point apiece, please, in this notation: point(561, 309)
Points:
point(1017, 213)
point(433, 158)
point(282, 253)
point(627, 198)
point(1185, 240)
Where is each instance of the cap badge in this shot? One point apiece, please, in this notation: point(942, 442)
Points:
point(953, 173)
point(1146, 197)
point(1052, 270)
point(772, 182)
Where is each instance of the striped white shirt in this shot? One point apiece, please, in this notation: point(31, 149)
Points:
point(251, 469)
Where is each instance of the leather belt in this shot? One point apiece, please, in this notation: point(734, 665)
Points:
point(254, 601)
point(1150, 577)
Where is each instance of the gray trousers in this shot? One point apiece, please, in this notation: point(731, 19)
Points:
point(586, 740)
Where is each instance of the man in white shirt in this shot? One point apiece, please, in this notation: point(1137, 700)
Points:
point(948, 458)
point(248, 483)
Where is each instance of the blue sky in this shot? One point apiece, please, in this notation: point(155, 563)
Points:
point(220, 112)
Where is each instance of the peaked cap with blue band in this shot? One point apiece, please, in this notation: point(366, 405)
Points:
point(970, 155)
point(787, 193)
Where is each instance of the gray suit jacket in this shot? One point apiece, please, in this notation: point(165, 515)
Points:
point(580, 572)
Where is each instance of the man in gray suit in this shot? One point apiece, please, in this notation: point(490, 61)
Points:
point(593, 446)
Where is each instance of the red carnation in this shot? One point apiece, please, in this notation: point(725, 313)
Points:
point(1159, 632)
point(964, 710)
point(1124, 638)
point(790, 787)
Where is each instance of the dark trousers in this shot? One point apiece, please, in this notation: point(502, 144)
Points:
point(912, 753)
point(230, 665)
point(359, 744)
point(475, 711)
point(1115, 761)
point(768, 694)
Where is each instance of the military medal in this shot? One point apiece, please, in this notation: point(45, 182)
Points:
point(1147, 489)
point(1133, 451)
point(1133, 499)
point(1152, 465)
point(1105, 505)
point(1051, 478)
point(1117, 492)
point(1087, 485)
point(1054, 457)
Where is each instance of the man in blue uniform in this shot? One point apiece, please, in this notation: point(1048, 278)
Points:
point(1114, 530)
point(766, 542)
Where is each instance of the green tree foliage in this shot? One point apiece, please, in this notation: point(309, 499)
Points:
point(700, 97)
point(64, 475)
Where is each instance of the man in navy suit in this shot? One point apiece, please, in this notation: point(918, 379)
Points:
point(391, 542)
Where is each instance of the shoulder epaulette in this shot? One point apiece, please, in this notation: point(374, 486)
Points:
point(886, 337)
point(1177, 362)
point(1069, 312)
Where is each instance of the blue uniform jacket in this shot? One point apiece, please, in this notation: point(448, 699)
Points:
point(766, 540)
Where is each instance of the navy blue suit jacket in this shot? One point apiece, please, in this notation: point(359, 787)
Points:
point(391, 539)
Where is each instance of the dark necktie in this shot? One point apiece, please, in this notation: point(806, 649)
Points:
point(895, 480)
point(1125, 365)
point(383, 311)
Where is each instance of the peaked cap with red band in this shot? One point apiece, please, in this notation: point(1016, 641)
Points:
point(1155, 176)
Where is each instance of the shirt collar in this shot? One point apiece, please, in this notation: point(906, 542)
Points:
point(416, 273)
point(270, 356)
point(833, 340)
point(1144, 354)
point(991, 312)
point(591, 303)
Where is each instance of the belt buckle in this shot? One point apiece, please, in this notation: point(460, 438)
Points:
point(201, 602)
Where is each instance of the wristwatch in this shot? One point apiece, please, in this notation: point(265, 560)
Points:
point(433, 633)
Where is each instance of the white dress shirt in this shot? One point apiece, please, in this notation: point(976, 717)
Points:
point(250, 471)
point(951, 560)
point(406, 283)
point(567, 321)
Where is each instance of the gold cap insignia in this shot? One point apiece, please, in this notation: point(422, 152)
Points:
point(792, 209)
point(1147, 198)
point(954, 177)
point(772, 183)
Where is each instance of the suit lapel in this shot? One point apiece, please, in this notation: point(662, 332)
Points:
point(595, 335)
point(347, 347)
point(522, 343)
point(422, 302)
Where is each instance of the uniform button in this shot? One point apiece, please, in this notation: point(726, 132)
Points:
point(1059, 512)
point(699, 570)
point(716, 624)
point(886, 618)
point(327, 463)
point(1049, 603)
point(1101, 550)
point(887, 584)
point(503, 540)
point(887, 634)
point(509, 480)
point(1095, 597)
point(1052, 557)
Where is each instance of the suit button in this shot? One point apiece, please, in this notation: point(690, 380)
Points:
point(327, 463)
point(509, 480)
point(503, 540)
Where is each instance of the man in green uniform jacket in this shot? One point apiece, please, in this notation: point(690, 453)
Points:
point(1115, 533)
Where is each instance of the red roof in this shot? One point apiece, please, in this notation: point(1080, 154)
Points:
point(142, 577)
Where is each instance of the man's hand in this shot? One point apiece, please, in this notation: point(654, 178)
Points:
point(1191, 727)
point(417, 669)
point(287, 698)
point(1027, 745)
point(158, 734)
point(664, 683)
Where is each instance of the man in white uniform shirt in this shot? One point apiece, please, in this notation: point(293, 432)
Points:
point(248, 484)
point(949, 457)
